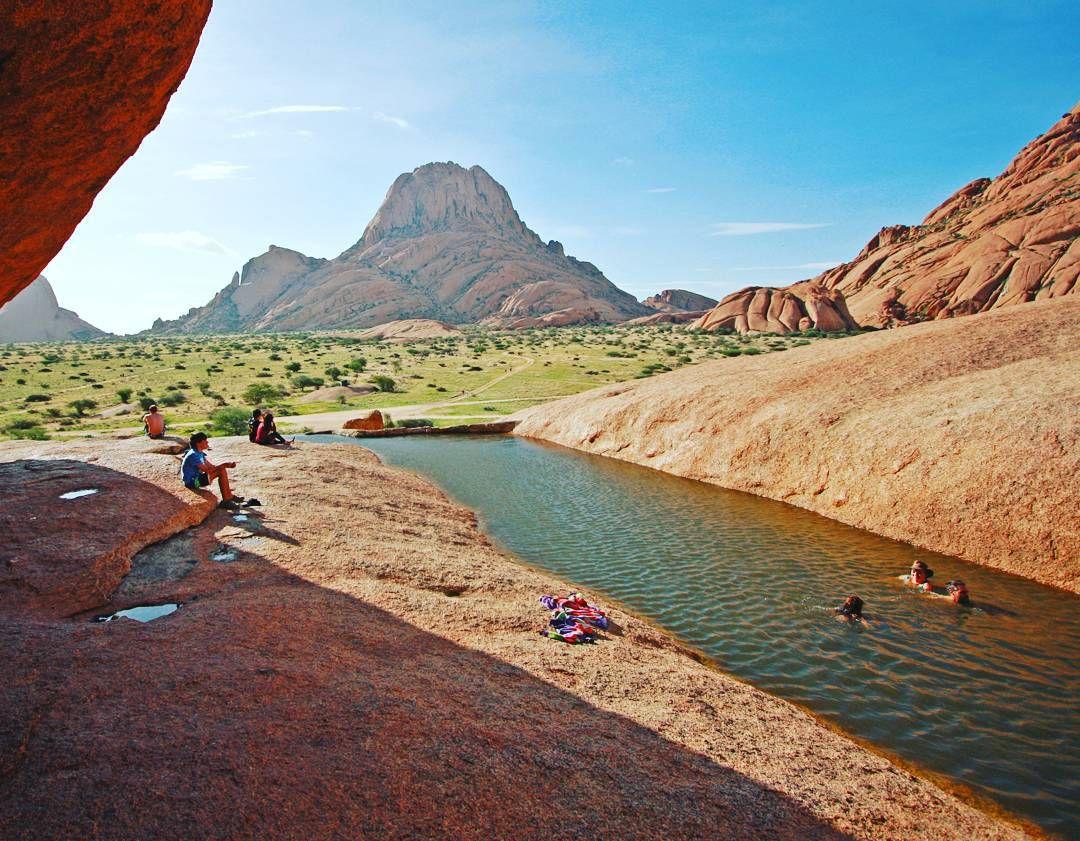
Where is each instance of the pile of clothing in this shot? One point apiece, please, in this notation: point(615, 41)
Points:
point(573, 619)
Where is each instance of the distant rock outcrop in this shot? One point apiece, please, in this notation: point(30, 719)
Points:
point(80, 87)
point(369, 421)
point(768, 310)
point(35, 316)
point(408, 330)
point(446, 244)
point(679, 300)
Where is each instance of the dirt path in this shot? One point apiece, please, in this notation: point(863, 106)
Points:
point(365, 663)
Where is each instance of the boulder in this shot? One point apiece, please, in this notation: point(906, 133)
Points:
point(369, 422)
point(764, 309)
point(80, 87)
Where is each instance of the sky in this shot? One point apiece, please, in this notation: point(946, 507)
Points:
point(704, 146)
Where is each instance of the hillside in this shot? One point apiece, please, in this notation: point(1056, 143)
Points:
point(962, 436)
point(34, 315)
point(994, 243)
point(446, 244)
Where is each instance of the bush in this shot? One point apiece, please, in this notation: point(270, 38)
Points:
point(173, 398)
point(383, 382)
point(230, 420)
point(357, 365)
point(258, 394)
point(146, 402)
point(292, 367)
point(413, 423)
point(124, 394)
point(305, 381)
point(38, 398)
point(82, 406)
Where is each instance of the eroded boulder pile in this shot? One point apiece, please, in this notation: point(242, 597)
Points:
point(765, 309)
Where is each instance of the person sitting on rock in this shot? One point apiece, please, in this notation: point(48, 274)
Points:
point(920, 577)
point(198, 472)
point(267, 432)
point(851, 609)
point(253, 424)
point(958, 592)
point(154, 422)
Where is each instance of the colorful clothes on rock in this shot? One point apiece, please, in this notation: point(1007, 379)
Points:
point(573, 620)
point(576, 606)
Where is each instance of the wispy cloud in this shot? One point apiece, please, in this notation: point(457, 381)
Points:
point(623, 161)
point(390, 120)
point(294, 109)
point(819, 265)
point(213, 171)
point(304, 133)
point(661, 190)
point(183, 241)
point(744, 229)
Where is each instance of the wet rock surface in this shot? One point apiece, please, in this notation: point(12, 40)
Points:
point(368, 663)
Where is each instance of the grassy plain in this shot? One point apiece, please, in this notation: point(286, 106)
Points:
point(72, 388)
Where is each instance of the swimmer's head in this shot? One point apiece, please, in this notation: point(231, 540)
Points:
point(852, 607)
point(920, 572)
point(958, 592)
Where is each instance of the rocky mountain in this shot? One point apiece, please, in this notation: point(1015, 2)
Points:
point(446, 244)
point(994, 243)
point(679, 300)
point(35, 316)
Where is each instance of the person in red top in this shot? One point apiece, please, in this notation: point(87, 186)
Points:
point(154, 422)
point(267, 432)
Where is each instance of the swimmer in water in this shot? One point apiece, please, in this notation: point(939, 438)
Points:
point(851, 609)
point(958, 592)
point(920, 577)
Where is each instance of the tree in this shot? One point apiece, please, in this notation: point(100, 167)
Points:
point(383, 382)
point(230, 420)
point(82, 406)
point(358, 365)
point(334, 372)
point(124, 394)
point(292, 367)
point(305, 381)
point(258, 394)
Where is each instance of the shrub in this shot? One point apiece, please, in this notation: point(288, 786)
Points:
point(292, 367)
point(124, 394)
point(383, 382)
point(305, 381)
point(334, 373)
point(261, 393)
point(230, 420)
point(358, 365)
point(414, 423)
point(38, 398)
point(82, 406)
point(173, 398)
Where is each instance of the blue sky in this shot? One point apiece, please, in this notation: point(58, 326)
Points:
point(707, 146)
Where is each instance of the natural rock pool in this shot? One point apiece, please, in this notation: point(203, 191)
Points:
point(986, 695)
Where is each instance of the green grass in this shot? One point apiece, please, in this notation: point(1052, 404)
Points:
point(191, 377)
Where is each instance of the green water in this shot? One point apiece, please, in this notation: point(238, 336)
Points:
point(984, 695)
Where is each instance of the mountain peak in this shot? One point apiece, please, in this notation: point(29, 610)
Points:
point(444, 197)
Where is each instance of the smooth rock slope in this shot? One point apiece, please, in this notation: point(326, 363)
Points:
point(34, 315)
point(962, 436)
point(446, 244)
point(359, 661)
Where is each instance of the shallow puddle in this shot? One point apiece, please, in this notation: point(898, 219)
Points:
point(79, 493)
point(984, 695)
point(143, 613)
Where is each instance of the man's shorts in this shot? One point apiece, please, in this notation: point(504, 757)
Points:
point(201, 482)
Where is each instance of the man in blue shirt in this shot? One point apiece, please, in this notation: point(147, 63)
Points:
point(198, 472)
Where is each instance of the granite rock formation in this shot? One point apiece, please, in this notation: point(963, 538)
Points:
point(679, 300)
point(446, 244)
point(765, 309)
point(35, 316)
point(961, 436)
point(993, 243)
point(80, 87)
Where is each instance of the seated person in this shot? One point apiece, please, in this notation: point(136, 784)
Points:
point(198, 472)
point(253, 424)
point(154, 422)
point(958, 592)
point(267, 433)
point(851, 609)
point(920, 577)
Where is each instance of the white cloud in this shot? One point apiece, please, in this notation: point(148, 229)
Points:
point(623, 161)
point(183, 241)
point(390, 120)
point(815, 266)
point(743, 229)
point(213, 171)
point(304, 133)
point(295, 109)
point(661, 190)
